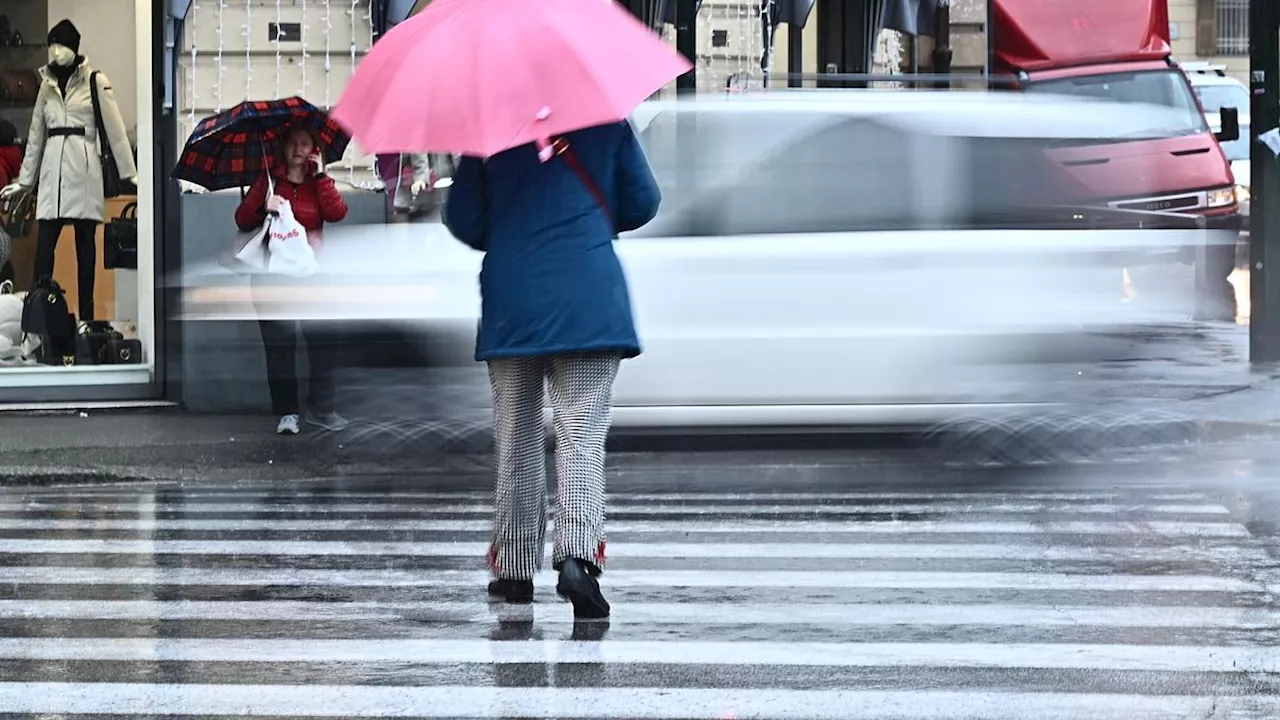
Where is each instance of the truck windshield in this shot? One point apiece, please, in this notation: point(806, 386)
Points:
point(1154, 87)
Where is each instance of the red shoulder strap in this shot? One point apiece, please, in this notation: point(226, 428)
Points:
point(561, 148)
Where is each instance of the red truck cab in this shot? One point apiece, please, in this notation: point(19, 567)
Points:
point(1119, 50)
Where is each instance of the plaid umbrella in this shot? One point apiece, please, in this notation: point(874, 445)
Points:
point(232, 148)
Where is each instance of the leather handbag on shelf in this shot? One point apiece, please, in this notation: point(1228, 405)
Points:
point(19, 214)
point(45, 315)
point(122, 351)
point(92, 341)
point(100, 344)
point(120, 240)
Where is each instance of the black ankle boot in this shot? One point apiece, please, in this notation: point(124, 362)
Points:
point(578, 587)
point(512, 591)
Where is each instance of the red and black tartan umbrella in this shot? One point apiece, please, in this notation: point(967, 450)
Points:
point(234, 147)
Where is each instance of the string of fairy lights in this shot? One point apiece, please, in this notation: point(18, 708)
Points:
point(293, 55)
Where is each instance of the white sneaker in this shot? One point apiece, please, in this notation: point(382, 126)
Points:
point(288, 425)
point(329, 421)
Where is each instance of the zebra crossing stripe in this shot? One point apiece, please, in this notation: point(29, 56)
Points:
point(610, 703)
point(630, 578)
point(1048, 656)
point(853, 614)
point(649, 508)
point(199, 495)
point(693, 527)
point(861, 551)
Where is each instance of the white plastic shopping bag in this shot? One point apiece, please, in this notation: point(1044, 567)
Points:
point(288, 251)
point(248, 251)
point(252, 253)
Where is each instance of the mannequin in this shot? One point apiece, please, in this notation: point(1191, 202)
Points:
point(62, 160)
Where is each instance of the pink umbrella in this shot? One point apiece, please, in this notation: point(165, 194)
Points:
point(477, 77)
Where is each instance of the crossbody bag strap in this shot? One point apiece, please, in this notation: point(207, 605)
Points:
point(104, 144)
point(566, 153)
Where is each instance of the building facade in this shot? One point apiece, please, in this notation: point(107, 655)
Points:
point(1216, 31)
point(173, 62)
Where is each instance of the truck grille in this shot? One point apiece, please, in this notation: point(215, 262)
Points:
point(1164, 204)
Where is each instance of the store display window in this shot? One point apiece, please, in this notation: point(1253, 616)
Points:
point(76, 194)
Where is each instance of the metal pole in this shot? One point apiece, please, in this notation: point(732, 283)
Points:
point(942, 43)
point(687, 43)
point(1264, 251)
point(795, 54)
point(989, 32)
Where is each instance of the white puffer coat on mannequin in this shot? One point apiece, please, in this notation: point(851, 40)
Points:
point(69, 184)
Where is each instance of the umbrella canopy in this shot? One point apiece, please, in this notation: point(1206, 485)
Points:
point(232, 148)
point(477, 77)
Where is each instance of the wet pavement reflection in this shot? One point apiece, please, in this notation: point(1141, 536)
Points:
point(1137, 590)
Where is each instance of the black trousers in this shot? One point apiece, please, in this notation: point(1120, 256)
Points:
point(86, 258)
point(280, 339)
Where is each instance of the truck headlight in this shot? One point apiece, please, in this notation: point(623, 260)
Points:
point(1222, 197)
point(1242, 193)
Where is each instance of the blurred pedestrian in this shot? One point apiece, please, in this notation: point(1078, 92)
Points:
point(300, 178)
point(410, 180)
point(555, 315)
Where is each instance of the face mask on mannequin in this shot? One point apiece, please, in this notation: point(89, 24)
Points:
point(61, 55)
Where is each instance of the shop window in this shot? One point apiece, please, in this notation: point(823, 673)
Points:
point(1233, 27)
point(96, 249)
point(1222, 27)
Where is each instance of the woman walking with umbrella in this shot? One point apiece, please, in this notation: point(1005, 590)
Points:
point(556, 314)
point(536, 100)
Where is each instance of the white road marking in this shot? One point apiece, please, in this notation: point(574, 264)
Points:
point(647, 508)
point(852, 614)
point(872, 551)
point(1054, 656)
point(611, 703)
point(680, 527)
point(629, 578)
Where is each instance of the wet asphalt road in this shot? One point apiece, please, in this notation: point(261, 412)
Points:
point(1143, 590)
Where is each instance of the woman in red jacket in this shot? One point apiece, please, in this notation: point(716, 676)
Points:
point(300, 178)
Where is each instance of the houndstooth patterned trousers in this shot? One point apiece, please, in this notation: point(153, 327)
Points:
point(581, 389)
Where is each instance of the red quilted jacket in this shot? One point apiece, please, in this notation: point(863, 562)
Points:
point(315, 201)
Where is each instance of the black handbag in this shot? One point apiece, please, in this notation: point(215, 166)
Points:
point(120, 240)
point(19, 214)
point(92, 342)
point(112, 185)
point(100, 344)
point(45, 314)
